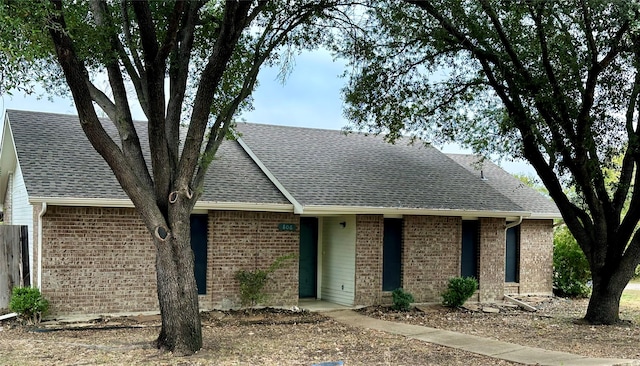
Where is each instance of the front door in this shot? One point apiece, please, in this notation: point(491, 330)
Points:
point(308, 257)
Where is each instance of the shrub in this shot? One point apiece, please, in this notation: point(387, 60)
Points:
point(401, 300)
point(571, 273)
point(252, 282)
point(28, 303)
point(459, 290)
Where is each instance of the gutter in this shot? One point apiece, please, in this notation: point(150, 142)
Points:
point(321, 210)
point(200, 205)
point(297, 207)
point(40, 215)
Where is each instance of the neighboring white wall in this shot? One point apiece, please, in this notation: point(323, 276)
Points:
point(22, 211)
point(338, 259)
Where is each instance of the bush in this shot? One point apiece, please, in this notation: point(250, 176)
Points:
point(252, 282)
point(401, 300)
point(571, 273)
point(28, 303)
point(459, 290)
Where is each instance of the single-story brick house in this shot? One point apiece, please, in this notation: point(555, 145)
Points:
point(362, 216)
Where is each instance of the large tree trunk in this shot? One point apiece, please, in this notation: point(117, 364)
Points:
point(604, 304)
point(177, 290)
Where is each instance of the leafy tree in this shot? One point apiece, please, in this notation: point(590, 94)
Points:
point(188, 62)
point(571, 272)
point(532, 181)
point(554, 82)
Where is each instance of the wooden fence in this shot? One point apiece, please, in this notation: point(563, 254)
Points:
point(14, 260)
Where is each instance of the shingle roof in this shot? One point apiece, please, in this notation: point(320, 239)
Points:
point(320, 168)
point(327, 167)
point(508, 185)
point(58, 161)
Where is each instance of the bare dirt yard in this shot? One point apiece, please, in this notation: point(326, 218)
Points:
point(278, 337)
point(556, 325)
point(268, 337)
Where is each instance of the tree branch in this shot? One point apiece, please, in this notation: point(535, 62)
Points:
point(138, 77)
point(235, 19)
point(223, 122)
point(155, 68)
point(75, 74)
point(178, 76)
point(121, 112)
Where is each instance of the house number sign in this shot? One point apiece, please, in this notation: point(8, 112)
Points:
point(286, 227)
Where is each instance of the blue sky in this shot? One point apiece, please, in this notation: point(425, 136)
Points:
point(310, 97)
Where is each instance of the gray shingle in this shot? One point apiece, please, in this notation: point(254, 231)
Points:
point(327, 167)
point(58, 161)
point(318, 167)
point(510, 186)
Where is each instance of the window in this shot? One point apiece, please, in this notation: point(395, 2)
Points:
point(469, 257)
point(512, 258)
point(392, 255)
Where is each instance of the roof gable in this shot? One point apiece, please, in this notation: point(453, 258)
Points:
point(329, 168)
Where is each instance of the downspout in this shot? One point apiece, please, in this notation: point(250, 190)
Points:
point(43, 211)
point(506, 228)
point(513, 224)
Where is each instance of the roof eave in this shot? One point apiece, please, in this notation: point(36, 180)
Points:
point(545, 216)
point(8, 159)
point(346, 210)
point(310, 210)
point(200, 205)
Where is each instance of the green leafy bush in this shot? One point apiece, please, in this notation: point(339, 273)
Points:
point(252, 282)
point(459, 290)
point(401, 300)
point(28, 303)
point(571, 273)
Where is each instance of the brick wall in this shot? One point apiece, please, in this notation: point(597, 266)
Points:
point(251, 240)
point(97, 260)
point(536, 257)
point(492, 259)
point(369, 236)
point(431, 255)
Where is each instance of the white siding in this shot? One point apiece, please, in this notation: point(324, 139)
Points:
point(338, 259)
point(22, 211)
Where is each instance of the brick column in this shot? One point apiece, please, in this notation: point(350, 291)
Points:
point(536, 257)
point(369, 236)
point(492, 258)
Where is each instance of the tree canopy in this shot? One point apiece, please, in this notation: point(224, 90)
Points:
point(553, 82)
point(189, 64)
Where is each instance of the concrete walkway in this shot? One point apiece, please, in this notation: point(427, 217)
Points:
point(475, 344)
